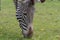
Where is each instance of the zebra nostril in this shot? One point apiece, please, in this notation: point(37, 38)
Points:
point(30, 32)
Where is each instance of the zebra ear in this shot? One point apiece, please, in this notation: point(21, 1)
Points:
point(42, 1)
point(32, 2)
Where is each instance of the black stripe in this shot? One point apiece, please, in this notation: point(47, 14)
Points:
point(19, 18)
point(18, 15)
point(25, 25)
point(22, 27)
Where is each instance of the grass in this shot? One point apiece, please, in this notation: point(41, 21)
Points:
point(46, 21)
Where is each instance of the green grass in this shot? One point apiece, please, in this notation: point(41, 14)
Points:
point(46, 21)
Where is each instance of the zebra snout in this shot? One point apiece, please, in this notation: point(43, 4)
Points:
point(28, 33)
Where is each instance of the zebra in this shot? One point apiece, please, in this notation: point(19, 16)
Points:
point(25, 13)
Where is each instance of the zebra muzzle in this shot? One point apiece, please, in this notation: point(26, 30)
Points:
point(28, 33)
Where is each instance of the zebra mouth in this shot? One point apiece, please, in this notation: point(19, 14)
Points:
point(28, 33)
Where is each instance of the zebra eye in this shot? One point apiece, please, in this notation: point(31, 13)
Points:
point(42, 1)
point(25, 13)
point(22, 0)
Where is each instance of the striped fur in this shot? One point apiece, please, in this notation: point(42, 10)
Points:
point(24, 14)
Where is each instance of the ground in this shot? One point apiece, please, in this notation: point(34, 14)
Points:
point(46, 21)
